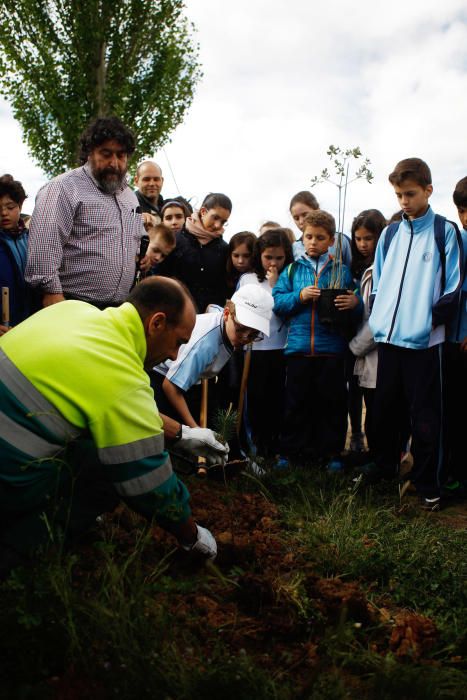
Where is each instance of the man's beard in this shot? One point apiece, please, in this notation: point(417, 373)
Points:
point(107, 184)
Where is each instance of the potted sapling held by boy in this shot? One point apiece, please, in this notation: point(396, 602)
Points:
point(334, 308)
point(331, 292)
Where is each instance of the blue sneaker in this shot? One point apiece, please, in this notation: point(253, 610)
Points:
point(335, 465)
point(281, 463)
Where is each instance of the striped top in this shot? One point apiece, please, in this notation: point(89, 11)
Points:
point(83, 241)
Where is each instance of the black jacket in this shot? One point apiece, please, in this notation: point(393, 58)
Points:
point(146, 206)
point(202, 268)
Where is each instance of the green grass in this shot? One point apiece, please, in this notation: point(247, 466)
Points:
point(363, 535)
point(112, 617)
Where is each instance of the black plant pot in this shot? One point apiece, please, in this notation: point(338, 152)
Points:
point(330, 316)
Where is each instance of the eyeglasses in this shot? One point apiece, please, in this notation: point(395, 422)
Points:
point(249, 334)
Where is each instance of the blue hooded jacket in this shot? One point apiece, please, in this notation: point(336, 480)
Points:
point(306, 334)
point(13, 252)
point(408, 303)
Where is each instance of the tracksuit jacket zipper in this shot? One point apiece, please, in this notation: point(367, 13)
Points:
point(401, 284)
point(313, 309)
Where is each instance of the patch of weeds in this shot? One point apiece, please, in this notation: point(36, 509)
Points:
point(327, 686)
point(388, 679)
point(232, 678)
point(414, 559)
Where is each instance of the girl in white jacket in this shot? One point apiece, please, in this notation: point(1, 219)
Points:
point(266, 383)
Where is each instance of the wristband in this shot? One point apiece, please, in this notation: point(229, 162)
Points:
point(178, 435)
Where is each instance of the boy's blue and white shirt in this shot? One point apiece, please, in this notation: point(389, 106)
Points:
point(407, 285)
point(458, 328)
point(203, 356)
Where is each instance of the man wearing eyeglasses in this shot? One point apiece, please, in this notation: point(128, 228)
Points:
point(244, 320)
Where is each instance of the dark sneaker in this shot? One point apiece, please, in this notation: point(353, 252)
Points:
point(431, 504)
point(373, 473)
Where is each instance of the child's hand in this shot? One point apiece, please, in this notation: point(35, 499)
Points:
point(272, 275)
point(146, 263)
point(149, 220)
point(310, 294)
point(345, 302)
point(5, 329)
point(464, 345)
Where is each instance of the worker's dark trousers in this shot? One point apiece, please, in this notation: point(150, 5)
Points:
point(57, 509)
point(315, 421)
point(413, 377)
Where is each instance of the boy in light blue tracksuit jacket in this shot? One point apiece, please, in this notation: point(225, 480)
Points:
point(456, 370)
point(417, 275)
point(315, 392)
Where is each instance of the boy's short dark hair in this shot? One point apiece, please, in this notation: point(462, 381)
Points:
point(323, 219)
point(12, 188)
point(414, 169)
point(460, 193)
point(167, 235)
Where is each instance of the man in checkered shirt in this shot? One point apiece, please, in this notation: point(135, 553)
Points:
point(86, 229)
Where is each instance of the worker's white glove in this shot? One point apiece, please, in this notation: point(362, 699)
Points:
point(205, 544)
point(201, 442)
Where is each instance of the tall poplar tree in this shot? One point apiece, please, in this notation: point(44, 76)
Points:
point(65, 62)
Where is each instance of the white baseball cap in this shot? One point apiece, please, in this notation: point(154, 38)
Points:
point(253, 307)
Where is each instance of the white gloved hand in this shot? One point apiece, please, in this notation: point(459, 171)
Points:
point(205, 544)
point(201, 442)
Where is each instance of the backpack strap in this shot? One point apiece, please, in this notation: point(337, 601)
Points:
point(291, 271)
point(440, 238)
point(390, 233)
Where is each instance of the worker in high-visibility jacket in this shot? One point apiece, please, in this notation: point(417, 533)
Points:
point(79, 429)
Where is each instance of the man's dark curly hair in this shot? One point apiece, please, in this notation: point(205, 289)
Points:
point(105, 129)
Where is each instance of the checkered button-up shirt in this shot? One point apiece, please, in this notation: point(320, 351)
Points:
point(83, 241)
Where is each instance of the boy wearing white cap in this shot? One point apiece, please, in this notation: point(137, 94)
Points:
point(245, 319)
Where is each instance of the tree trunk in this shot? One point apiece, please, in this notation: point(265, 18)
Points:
point(100, 82)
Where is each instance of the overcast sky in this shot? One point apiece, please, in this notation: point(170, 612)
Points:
point(284, 79)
